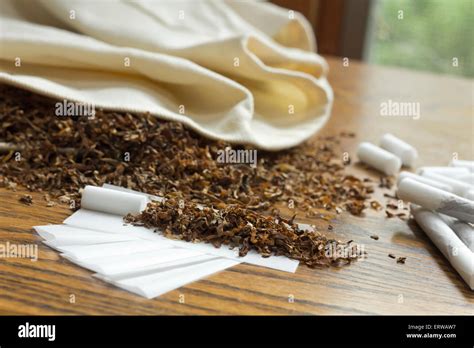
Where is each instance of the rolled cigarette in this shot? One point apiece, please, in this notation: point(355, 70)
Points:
point(379, 158)
point(463, 164)
point(459, 188)
point(443, 170)
point(431, 198)
point(463, 230)
point(399, 148)
point(441, 186)
point(112, 201)
point(467, 178)
point(457, 253)
point(469, 195)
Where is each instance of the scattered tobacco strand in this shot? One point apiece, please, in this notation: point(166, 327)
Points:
point(26, 199)
point(391, 256)
point(237, 227)
point(392, 206)
point(374, 236)
point(375, 205)
point(346, 134)
point(401, 260)
point(386, 182)
point(389, 214)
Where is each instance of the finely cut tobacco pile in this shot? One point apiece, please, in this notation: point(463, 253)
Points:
point(60, 155)
point(241, 228)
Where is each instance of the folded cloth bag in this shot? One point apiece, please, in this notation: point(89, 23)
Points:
point(240, 71)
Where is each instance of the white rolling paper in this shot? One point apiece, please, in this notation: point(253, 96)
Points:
point(84, 252)
point(109, 223)
point(441, 186)
point(435, 199)
point(457, 253)
point(127, 263)
point(58, 235)
point(162, 266)
point(467, 178)
point(447, 171)
point(463, 230)
point(469, 195)
point(136, 258)
point(459, 187)
point(156, 284)
point(463, 164)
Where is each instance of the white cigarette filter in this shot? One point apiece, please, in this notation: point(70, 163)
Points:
point(457, 253)
point(463, 164)
point(439, 185)
point(399, 148)
point(112, 201)
point(435, 199)
point(379, 158)
point(463, 230)
point(449, 171)
point(459, 188)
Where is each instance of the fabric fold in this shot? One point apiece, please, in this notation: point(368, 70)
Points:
point(243, 72)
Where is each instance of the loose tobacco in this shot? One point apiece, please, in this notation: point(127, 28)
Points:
point(60, 155)
point(237, 227)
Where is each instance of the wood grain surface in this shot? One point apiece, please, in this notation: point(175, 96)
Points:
point(425, 284)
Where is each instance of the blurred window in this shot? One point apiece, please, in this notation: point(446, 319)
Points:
point(431, 35)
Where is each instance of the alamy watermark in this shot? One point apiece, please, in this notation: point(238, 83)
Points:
point(241, 156)
point(24, 251)
point(402, 109)
point(28, 330)
point(74, 109)
point(342, 251)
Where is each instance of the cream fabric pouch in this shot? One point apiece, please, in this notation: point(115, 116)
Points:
point(240, 71)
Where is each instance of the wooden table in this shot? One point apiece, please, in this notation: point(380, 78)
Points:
point(425, 284)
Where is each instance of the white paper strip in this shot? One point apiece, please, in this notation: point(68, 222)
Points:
point(459, 187)
point(467, 178)
point(435, 199)
point(106, 223)
point(163, 266)
point(442, 170)
point(83, 252)
point(156, 284)
point(463, 230)
point(463, 164)
point(424, 180)
point(58, 235)
point(128, 263)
